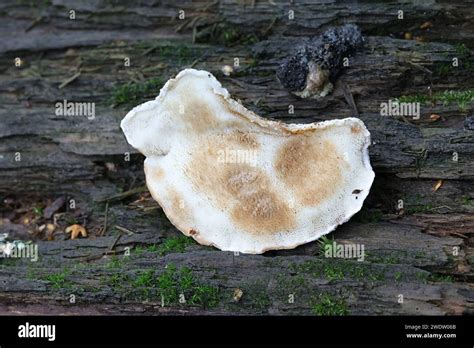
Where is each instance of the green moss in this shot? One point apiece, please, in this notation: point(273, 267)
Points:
point(420, 254)
point(176, 54)
point(205, 295)
point(135, 93)
point(228, 35)
point(443, 69)
point(324, 244)
point(451, 260)
point(290, 283)
point(179, 54)
point(395, 257)
point(327, 304)
point(297, 285)
point(417, 204)
point(461, 98)
point(415, 98)
point(175, 245)
point(257, 294)
point(152, 248)
point(461, 49)
point(174, 282)
point(398, 276)
point(138, 250)
point(421, 276)
point(173, 287)
point(416, 209)
point(385, 259)
point(465, 62)
point(10, 261)
point(38, 211)
point(31, 274)
point(434, 277)
point(337, 269)
point(114, 262)
point(363, 272)
point(117, 280)
point(145, 278)
point(448, 97)
point(58, 280)
point(333, 272)
point(445, 278)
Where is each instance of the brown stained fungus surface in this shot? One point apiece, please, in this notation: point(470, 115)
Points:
point(241, 189)
point(179, 206)
point(310, 167)
point(198, 115)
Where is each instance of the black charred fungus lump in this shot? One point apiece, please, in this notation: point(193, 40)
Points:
point(309, 72)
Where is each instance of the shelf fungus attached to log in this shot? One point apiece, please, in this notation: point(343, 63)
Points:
point(234, 180)
point(309, 72)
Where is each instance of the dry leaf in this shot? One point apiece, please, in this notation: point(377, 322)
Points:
point(50, 228)
point(238, 294)
point(435, 117)
point(462, 267)
point(438, 184)
point(49, 231)
point(408, 36)
point(426, 25)
point(75, 230)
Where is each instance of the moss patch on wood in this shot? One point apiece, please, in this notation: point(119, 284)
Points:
point(58, 280)
point(449, 97)
point(175, 245)
point(173, 287)
point(328, 304)
point(135, 93)
point(337, 269)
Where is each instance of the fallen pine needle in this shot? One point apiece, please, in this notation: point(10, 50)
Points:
point(437, 186)
point(125, 230)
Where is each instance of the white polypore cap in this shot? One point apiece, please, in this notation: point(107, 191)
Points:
point(234, 180)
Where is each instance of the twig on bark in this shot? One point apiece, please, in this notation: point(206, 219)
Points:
point(124, 230)
point(112, 246)
point(34, 23)
point(69, 80)
point(123, 195)
point(106, 214)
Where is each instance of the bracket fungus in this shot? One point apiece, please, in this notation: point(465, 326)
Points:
point(308, 73)
point(232, 179)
